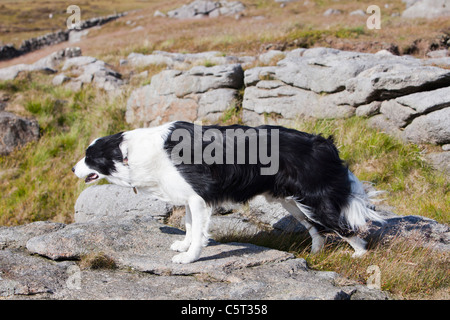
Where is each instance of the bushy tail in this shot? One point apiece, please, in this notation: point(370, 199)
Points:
point(360, 208)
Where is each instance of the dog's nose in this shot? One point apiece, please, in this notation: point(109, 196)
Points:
point(73, 169)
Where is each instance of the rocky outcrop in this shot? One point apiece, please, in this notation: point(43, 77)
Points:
point(84, 70)
point(48, 64)
point(199, 93)
point(130, 259)
point(80, 70)
point(202, 8)
point(184, 61)
point(329, 83)
point(16, 131)
point(119, 248)
point(402, 95)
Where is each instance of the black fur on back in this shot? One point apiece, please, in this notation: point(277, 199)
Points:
point(310, 170)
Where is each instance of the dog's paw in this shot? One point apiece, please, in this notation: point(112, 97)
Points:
point(184, 258)
point(180, 246)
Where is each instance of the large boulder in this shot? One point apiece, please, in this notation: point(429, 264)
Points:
point(199, 93)
point(430, 128)
point(114, 202)
point(16, 131)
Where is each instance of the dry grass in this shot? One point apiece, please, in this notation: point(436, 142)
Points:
point(97, 260)
point(292, 26)
point(407, 269)
point(20, 20)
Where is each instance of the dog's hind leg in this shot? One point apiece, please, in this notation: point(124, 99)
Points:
point(358, 244)
point(183, 245)
point(318, 241)
point(200, 215)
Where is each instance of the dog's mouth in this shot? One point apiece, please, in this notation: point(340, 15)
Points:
point(91, 177)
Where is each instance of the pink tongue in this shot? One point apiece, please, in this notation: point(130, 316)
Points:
point(91, 177)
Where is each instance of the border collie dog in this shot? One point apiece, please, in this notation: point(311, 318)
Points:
point(203, 166)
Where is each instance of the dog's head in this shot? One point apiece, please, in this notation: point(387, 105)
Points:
point(105, 158)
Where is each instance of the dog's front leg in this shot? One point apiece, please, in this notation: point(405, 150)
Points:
point(183, 245)
point(200, 214)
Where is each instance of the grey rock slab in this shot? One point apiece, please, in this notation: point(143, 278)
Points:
point(274, 96)
point(143, 244)
point(78, 239)
point(368, 110)
point(269, 56)
point(427, 101)
point(17, 236)
point(60, 79)
point(217, 100)
point(205, 78)
point(383, 82)
point(189, 95)
point(360, 77)
point(281, 99)
point(398, 114)
point(77, 62)
point(430, 128)
point(217, 260)
point(426, 232)
point(115, 202)
point(327, 70)
point(22, 274)
point(289, 279)
point(225, 271)
point(254, 75)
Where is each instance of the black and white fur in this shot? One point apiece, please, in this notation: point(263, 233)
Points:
point(312, 182)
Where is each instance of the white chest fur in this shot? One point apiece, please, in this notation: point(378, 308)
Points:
point(149, 167)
